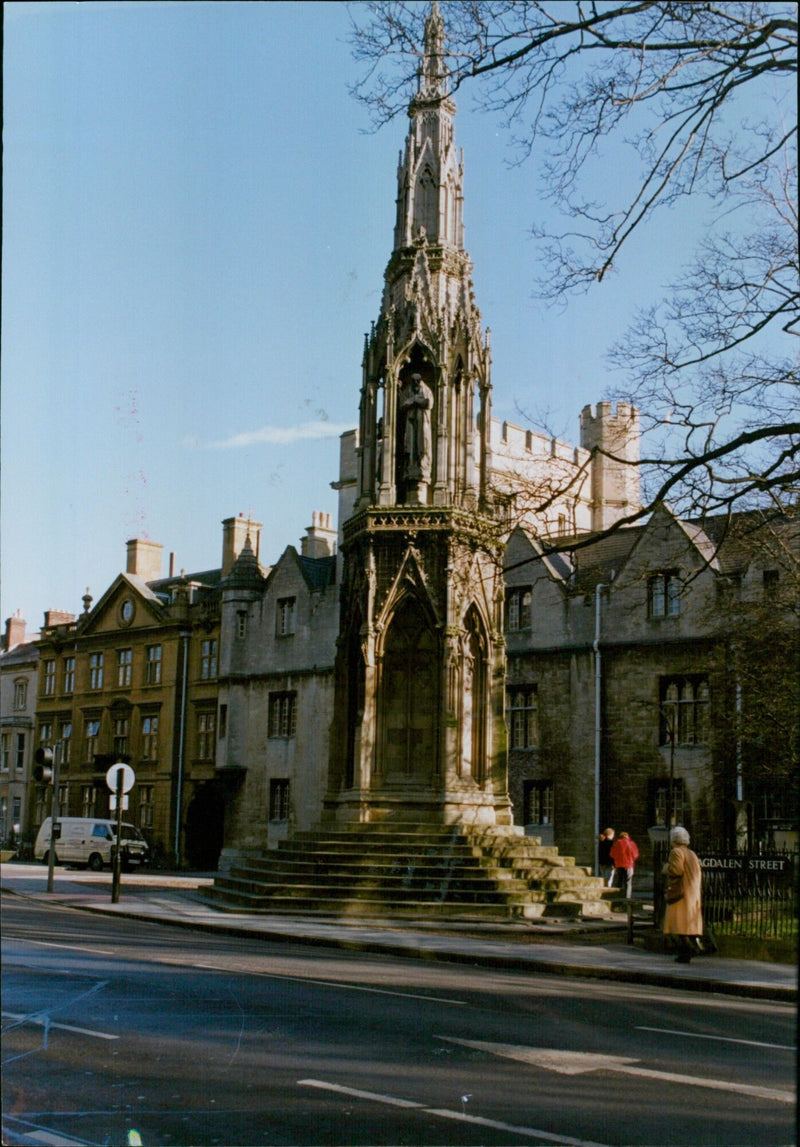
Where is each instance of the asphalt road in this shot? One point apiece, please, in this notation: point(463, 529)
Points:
point(118, 1032)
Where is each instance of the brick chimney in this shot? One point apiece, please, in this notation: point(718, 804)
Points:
point(144, 559)
point(15, 630)
point(57, 617)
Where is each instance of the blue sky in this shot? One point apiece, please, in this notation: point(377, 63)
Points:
point(196, 224)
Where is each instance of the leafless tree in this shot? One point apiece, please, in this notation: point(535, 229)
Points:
point(702, 98)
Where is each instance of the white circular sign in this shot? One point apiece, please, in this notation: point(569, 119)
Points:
point(128, 777)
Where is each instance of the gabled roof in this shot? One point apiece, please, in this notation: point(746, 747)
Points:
point(141, 588)
point(317, 573)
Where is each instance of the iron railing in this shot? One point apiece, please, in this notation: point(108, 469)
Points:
point(746, 892)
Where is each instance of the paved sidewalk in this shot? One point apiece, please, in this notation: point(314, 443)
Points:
point(594, 950)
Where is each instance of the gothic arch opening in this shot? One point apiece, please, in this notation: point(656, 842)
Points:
point(409, 697)
point(474, 698)
point(355, 698)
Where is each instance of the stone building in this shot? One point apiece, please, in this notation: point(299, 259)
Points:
point(636, 696)
point(135, 679)
point(19, 660)
point(371, 686)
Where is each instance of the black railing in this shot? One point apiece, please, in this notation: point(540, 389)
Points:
point(746, 892)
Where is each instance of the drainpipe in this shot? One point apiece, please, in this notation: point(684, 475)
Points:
point(181, 743)
point(597, 724)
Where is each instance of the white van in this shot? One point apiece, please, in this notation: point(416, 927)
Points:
point(87, 840)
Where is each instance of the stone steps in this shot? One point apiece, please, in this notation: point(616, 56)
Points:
point(377, 869)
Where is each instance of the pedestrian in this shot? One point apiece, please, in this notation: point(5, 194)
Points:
point(604, 860)
point(624, 854)
point(683, 917)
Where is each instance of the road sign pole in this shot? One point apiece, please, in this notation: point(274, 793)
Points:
point(117, 870)
point(54, 811)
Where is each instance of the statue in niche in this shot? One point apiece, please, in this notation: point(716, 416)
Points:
point(416, 407)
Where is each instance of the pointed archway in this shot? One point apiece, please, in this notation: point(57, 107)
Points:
point(408, 706)
point(474, 699)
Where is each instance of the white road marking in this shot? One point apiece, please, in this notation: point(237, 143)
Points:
point(578, 1062)
point(42, 1020)
point(445, 1113)
point(71, 947)
point(51, 1139)
point(720, 1038)
point(333, 984)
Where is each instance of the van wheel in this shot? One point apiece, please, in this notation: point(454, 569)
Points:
point(96, 862)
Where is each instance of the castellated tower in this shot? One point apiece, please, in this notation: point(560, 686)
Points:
point(418, 731)
point(614, 435)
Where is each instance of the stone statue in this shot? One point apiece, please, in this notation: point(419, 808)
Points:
point(416, 405)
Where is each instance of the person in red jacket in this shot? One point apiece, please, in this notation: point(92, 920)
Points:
point(624, 853)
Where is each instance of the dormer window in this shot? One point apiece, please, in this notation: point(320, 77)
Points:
point(285, 619)
point(663, 595)
point(518, 608)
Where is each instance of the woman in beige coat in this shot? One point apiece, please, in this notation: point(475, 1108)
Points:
point(684, 917)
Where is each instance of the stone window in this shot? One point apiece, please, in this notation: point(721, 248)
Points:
point(146, 795)
point(663, 595)
point(278, 799)
point(684, 711)
point(660, 801)
point(20, 762)
point(88, 799)
point(92, 735)
point(152, 667)
point(223, 721)
point(95, 670)
point(522, 717)
point(770, 581)
point(49, 678)
point(208, 659)
point(538, 802)
point(124, 667)
point(518, 608)
point(282, 714)
point(5, 752)
point(149, 738)
point(241, 624)
point(45, 735)
point(69, 674)
point(121, 729)
point(285, 619)
point(66, 742)
point(206, 739)
point(20, 694)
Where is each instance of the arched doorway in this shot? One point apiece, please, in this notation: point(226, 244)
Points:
point(409, 697)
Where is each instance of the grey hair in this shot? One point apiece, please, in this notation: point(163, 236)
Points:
point(678, 835)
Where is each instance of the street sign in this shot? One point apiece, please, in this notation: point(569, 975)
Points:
point(128, 777)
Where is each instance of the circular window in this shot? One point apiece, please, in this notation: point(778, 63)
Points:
point(126, 611)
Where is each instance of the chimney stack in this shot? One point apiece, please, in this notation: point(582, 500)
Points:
point(15, 630)
point(320, 540)
point(235, 531)
point(144, 559)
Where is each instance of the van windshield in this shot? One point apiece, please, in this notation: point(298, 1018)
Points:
point(131, 833)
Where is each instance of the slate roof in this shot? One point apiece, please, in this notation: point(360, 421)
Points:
point(318, 572)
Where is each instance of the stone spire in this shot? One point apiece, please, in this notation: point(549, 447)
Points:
point(426, 393)
point(430, 173)
point(433, 70)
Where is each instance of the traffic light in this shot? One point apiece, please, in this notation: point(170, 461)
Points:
point(43, 769)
